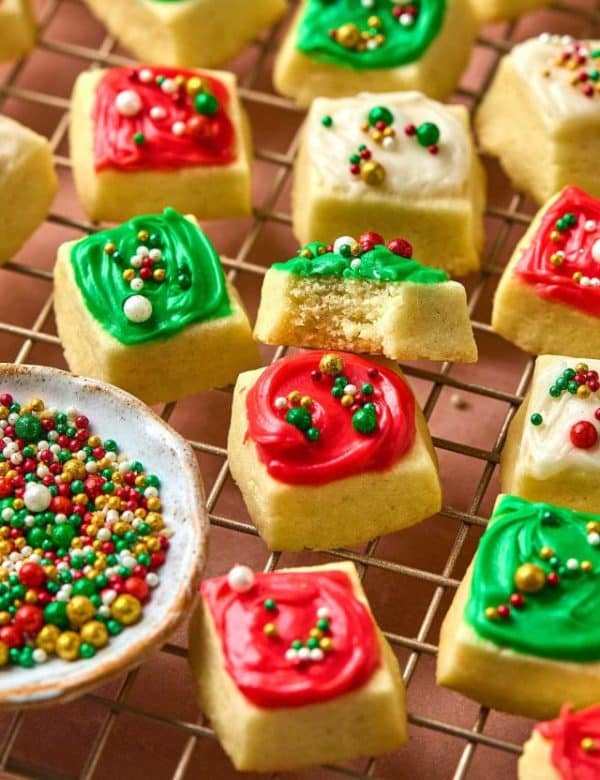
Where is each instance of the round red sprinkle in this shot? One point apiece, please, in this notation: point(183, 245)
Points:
point(580, 379)
point(503, 611)
point(6, 399)
point(373, 373)
point(401, 247)
point(32, 575)
point(11, 636)
point(410, 129)
point(553, 578)
point(137, 587)
point(517, 600)
point(584, 435)
point(369, 240)
point(29, 619)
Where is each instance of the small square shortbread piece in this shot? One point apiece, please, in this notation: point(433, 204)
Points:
point(342, 47)
point(528, 612)
point(292, 671)
point(541, 116)
point(565, 747)
point(548, 300)
point(189, 33)
point(552, 451)
point(330, 450)
point(146, 138)
point(496, 10)
point(28, 184)
point(146, 306)
point(365, 296)
point(398, 164)
point(17, 25)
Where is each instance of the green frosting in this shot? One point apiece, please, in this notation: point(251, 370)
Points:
point(560, 620)
point(377, 265)
point(193, 289)
point(401, 44)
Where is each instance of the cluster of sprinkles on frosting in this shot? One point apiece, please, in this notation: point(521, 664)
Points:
point(575, 742)
point(350, 36)
point(577, 57)
point(353, 249)
point(560, 235)
point(379, 127)
point(81, 536)
point(582, 382)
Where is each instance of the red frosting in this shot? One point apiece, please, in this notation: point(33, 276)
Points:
point(341, 451)
point(207, 140)
point(257, 662)
point(567, 734)
point(555, 282)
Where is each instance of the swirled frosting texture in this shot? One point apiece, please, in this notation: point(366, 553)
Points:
point(559, 621)
point(402, 44)
point(567, 733)
point(341, 451)
point(257, 662)
point(193, 289)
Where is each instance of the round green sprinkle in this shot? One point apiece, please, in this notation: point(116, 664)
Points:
point(536, 418)
point(326, 121)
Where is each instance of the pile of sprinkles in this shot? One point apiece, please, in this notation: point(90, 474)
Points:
point(350, 36)
point(576, 56)
point(82, 536)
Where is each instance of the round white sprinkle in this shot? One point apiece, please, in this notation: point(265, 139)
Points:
point(145, 75)
point(178, 128)
point(356, 263)
point(594, 538)
point(406, 20)
point(157, 112)
point(152, 579)
point(136, 261)
point(322, 613)
point(142, 251)
point(595, 282)
point(169, 86)
point(37, 497)
point(137, 284)
point(304, 654)
point(155, 254)
point(281, 403)
point(367, 3)
point(351, 390)
point(128, 102)
point(596, 251)
point(240, 578)
point(590, 225)
point(343, 241)
point(137, 308)
point(572, 564)
point(39, 656)
point(584, 281)
point(316, 654)
point(545, 37)
point(388, 142)
point(372, 44)
point(291, 654)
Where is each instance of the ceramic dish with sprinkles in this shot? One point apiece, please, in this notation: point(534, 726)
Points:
point(102, 533)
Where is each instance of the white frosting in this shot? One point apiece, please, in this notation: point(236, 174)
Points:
point(410, 169)
point(546, 449)
point(558, 98)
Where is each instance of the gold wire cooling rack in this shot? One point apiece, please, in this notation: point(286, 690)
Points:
point(145, 724)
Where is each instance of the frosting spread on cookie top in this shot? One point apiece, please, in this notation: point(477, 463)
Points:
point(536, 581)
point(561, 433)
point(562, 73)
point(400, 143)
point(365, 259)
point(375, 34)
point(318, 417)
point(150, 278)
point(575, 738)
point(153, 118)
point(292, 638)
point(82, 536)
point(562, 261)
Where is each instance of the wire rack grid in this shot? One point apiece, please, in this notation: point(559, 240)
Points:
point(116, 709)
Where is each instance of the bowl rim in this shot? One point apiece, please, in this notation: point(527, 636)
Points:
point(76, 683)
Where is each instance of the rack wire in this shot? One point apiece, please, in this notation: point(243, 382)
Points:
point(462, 740)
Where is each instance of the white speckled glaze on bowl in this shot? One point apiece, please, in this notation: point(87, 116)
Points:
point(143, 436)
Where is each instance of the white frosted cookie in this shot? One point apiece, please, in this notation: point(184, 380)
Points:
point(395, 163)
point(317, 433)
point(189, 33)
point(18, 29)
point(146, 306)
point(541, 116)
point(364, 296)
point(548, 300)
point(552, 451)
point(28, 183)
point(527, 612)
point(341, 47)
point(292, 670)
point(147, 137)
point(496, 10)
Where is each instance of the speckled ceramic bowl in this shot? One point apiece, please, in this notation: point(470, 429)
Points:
point(142, 435)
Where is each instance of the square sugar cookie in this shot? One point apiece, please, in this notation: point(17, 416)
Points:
point(548, 300)
point(146, 306)
point(365, 296)
point(552, 451)
point(523, 632)
point(398, 164)
point(541, 116)
point(292, 670)
point(18, 27)
point(187, 33)
point(28, 183)
point(568, 746)
point(330, 450)
point(341, 47)
point(497, 10)
point(148, 137)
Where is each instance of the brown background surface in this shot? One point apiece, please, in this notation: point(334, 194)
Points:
point(146, 724)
